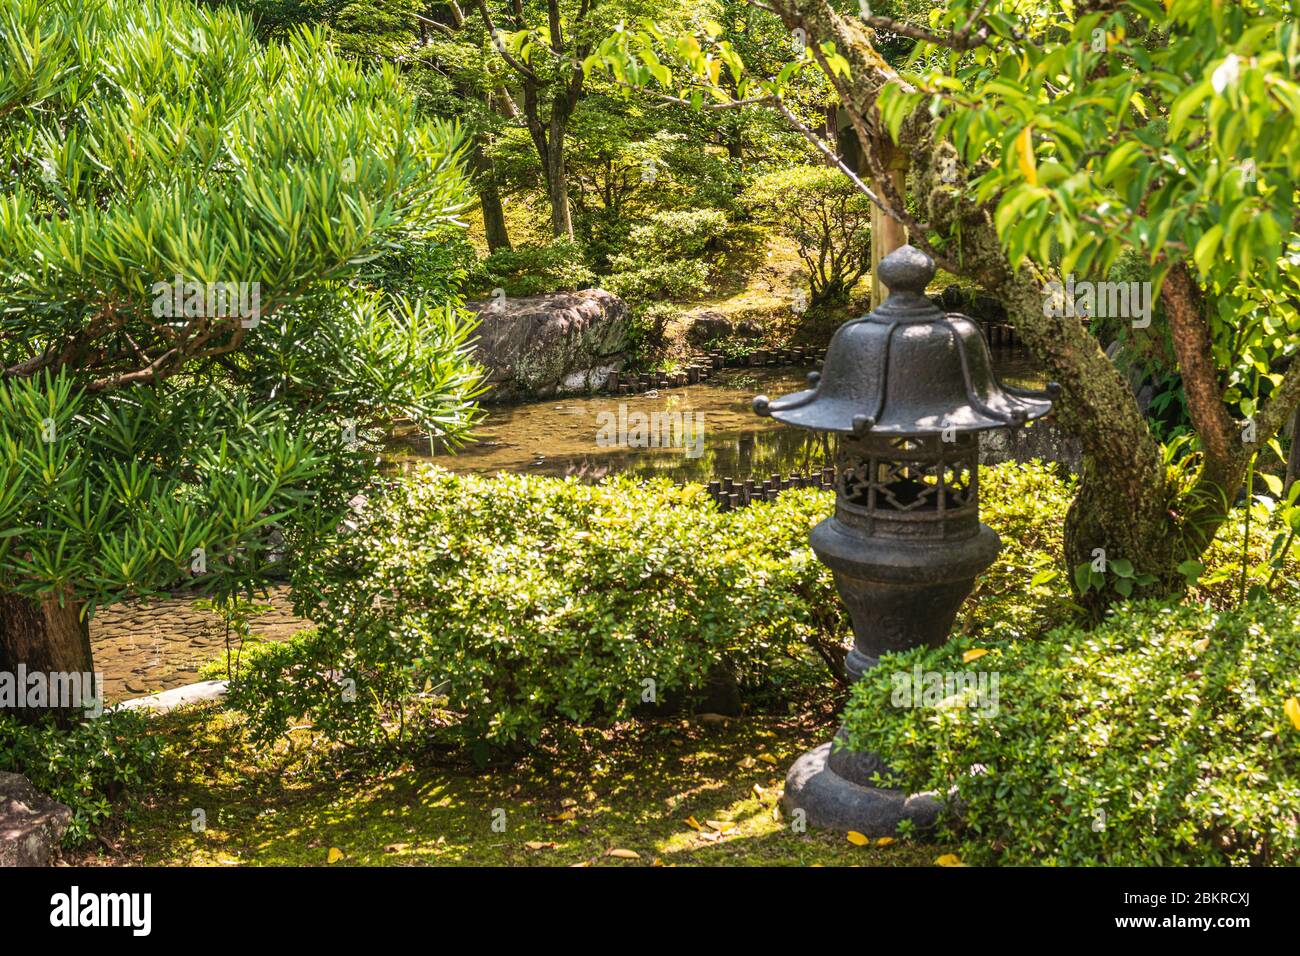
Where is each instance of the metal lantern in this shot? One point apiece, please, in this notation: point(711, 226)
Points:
point(907, 388)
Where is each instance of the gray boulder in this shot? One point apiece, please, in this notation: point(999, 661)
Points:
point(550, 344)
point(31, 824)
point(709, 327)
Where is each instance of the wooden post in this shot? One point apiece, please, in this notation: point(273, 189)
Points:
point(887, 233)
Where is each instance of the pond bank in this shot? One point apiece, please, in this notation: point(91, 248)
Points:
point(684, 433)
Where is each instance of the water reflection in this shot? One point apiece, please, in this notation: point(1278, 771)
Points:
point(570, 436)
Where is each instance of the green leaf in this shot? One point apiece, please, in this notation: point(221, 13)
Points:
point(1206, 247)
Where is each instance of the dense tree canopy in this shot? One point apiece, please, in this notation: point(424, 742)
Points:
point(1057, 139)
point(199, 238)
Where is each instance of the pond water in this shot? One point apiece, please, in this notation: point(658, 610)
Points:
point(141, 648)
point(702, 431)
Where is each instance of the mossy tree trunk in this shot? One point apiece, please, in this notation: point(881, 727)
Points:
point(485, 182)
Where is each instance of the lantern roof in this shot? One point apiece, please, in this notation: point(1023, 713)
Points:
point(907, 368)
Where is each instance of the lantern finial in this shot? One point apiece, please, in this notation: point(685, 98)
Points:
point(906, 269)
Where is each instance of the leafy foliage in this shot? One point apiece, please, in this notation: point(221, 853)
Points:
point(85, 767)
point(1163, 737)
point(531, 603)
point(1196, 105)
point(558, 266)
point(665, 257)
point(827, 218)
point(159, 151)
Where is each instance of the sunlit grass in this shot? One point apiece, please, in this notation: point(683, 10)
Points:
point(674, 792)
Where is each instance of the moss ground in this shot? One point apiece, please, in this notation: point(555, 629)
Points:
point(642, 788)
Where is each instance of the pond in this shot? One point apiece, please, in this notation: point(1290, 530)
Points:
point(146, 647)
point(690, 433)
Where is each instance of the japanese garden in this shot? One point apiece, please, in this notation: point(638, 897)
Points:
point(599, 433)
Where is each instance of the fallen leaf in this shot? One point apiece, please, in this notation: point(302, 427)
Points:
point(582, 863)
point(624, 854)
point(335, 854)
point(1201, 645)
point(396, 847)
point(657, 862)
point(710, 835)
point(949, 859)
point(568, 802)
point(759, 789)
point(746, 764)
point(566, 815)
point(767, 758)
point(693, 823)
point(857, 839)
point(1292, 709)
point(884, 841)
point(974, 654)
point(722, 826)
point(538, 845)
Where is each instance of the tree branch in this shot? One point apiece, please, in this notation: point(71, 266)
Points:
point(1194, 349)
point(517, 65)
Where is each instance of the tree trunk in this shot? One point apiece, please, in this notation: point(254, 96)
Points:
point(736, 143)
point(49, 639)
point(557, 185)
point(494, 217)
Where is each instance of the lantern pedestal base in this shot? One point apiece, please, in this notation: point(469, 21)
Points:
point(832, 802)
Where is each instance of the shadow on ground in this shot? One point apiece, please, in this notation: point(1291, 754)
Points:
point(672, 792)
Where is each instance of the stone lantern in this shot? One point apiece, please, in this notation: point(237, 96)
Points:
point(907, 389)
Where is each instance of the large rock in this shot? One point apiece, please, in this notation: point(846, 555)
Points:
point(548, 344)
point(709, 327)
point(31, 824)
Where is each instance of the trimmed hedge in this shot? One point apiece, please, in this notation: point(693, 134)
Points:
point(1162, 737)
point(529, 603)
point(506, 608)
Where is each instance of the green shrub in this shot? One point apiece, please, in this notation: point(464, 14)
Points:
point(85, 767)
point(1160, 737)
point(665, 257)
point(560, 266)
point(827, 218)
point(649, 326)
point(1026, 591)
point(680, 279)
point(530, 603)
